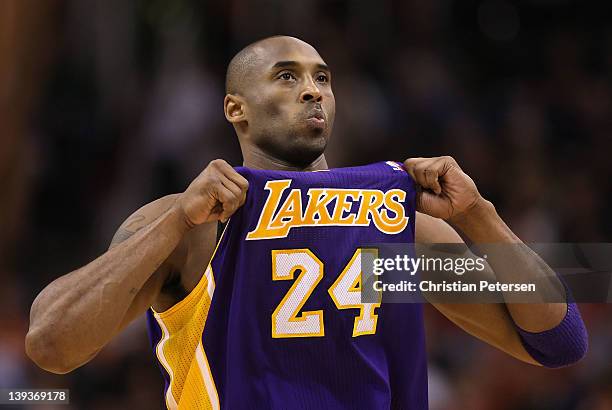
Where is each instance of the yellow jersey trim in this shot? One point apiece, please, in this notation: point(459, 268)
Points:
point(159, 351)
point(168, 321)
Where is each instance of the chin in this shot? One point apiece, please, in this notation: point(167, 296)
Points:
point(305, 152)
point(299, 147)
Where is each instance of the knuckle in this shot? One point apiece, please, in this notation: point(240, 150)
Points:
point(216, 163)
point(227, 196)
point(203, 181)
point(212, 183)
point(213, 180)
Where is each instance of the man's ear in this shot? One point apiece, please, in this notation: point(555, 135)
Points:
point(233, 105)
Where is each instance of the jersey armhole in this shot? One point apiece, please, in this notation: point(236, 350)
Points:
point(202, 284)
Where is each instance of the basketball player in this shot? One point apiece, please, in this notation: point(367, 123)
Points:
point(280, 102)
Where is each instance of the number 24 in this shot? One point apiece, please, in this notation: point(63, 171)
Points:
point(287, 321)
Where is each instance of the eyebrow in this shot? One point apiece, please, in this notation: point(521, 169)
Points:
point(287, 64)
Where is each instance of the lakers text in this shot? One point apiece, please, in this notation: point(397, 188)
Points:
point(328, 207)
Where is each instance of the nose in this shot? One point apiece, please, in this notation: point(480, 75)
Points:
point(310, 93)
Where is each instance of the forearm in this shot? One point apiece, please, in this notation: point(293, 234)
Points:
point(78, 313)
point(514, 264)
point(552, 333)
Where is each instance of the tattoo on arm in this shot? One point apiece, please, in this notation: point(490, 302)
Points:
point(121, 235)
point(135, 219)
point(124, 233)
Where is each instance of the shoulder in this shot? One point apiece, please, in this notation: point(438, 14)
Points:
point(434, 230)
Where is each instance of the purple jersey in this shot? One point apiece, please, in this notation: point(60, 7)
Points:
point(284, 325)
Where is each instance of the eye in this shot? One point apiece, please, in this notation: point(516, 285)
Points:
point(286, 76)
point(322, 78)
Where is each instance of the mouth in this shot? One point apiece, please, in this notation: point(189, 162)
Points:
point(316, 119)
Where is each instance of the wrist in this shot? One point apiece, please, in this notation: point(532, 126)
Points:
point(183, 223)
point(482, 224)
point(479, 212)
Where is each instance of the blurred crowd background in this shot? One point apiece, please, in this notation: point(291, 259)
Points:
point(107, 104)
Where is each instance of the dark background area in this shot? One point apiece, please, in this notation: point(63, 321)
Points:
point(107, 105)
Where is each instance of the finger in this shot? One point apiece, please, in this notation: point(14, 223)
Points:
point(217, 209)
point(444, 164)
point(422, 173)
point(236, 190)
point(229, 172)
point(237, 179)
point(431, 177)
point(228, 200)
point(426, 172)
point(231, 180)
point(409, 165)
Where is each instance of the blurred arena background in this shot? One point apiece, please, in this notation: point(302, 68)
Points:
point(106, 105)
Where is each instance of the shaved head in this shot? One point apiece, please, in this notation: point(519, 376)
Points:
point(240, 66)
point(240, 69)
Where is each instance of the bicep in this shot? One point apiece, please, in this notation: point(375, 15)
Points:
point(489, 322)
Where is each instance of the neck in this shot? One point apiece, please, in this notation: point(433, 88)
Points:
point(256, 159)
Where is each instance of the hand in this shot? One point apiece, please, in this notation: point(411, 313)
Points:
point(214, 195)
point(446, 191)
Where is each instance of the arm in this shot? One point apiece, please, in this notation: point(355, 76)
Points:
point(517, 263)
point(491, 322)
point(79, 313)
point(452, 195)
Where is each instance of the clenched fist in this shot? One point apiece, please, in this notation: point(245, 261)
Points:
point(446, 191)
point(214, 195)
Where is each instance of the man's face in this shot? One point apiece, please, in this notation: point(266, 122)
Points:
point(290, 105)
